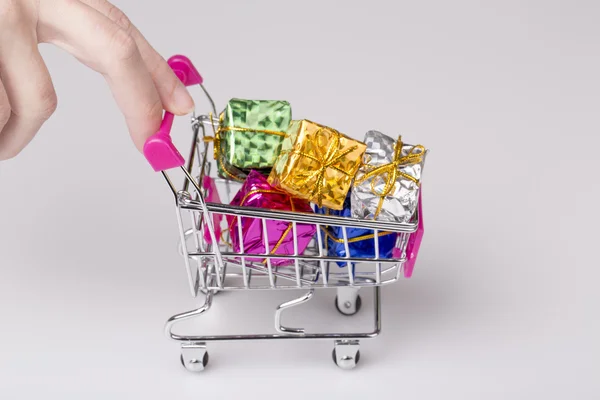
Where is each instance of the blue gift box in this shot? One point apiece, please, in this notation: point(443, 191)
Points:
point(361, 242)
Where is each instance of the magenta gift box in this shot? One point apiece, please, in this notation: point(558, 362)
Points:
point(256, 192)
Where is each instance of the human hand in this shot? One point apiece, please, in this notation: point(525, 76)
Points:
point(100, 36)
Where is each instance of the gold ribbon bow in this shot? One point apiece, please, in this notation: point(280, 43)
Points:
point(391, 171)
point(325, 161)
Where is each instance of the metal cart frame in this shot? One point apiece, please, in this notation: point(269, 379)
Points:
point(212, 265)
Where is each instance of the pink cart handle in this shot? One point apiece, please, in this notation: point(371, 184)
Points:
point(159, 149)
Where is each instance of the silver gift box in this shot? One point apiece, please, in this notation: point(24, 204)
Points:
point(379, 192)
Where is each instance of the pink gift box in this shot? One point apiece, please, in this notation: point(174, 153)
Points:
point(256, 192)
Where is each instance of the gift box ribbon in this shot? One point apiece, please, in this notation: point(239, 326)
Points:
point(354, 239)
point(390, 172)
point(325, 161)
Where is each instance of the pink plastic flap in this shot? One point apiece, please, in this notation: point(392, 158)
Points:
point(185, 70)
point(414, 243)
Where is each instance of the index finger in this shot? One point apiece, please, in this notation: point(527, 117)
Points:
point(105, 47)
point(173, 95)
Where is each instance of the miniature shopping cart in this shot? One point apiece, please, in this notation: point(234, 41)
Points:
point(212, 265)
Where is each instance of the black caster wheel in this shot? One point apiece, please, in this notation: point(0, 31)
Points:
point(345, 310)
point(346, 362)
point(195, 365)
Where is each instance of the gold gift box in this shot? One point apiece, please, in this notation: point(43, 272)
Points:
point(317, 163)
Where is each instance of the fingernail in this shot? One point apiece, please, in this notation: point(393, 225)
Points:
point(182, 99)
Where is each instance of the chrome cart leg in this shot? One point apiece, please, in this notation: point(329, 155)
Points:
point(211, 281)
point(194, 356)
point(214, 292)
point(346, 353)
point(288, 304)
point(348, 301)
point(187, 315)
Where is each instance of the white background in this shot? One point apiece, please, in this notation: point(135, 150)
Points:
point(504, 300)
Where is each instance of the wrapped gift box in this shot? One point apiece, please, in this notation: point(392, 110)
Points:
point(387, 184)
point(317, 163)
point(361, 242)
point(257, 192)
point(249, 136)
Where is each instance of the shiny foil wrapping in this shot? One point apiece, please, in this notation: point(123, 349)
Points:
point(250, 136)
point(387, 184)
point(256, 192)
point(317, 164)
point(361, 242)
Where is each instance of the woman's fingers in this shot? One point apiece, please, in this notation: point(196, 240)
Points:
point(174, 96)
point(4, 109)
point(28, 96)
point(100, 36)
point(104, 46)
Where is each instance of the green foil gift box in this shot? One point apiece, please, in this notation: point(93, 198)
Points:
point(250, 135)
